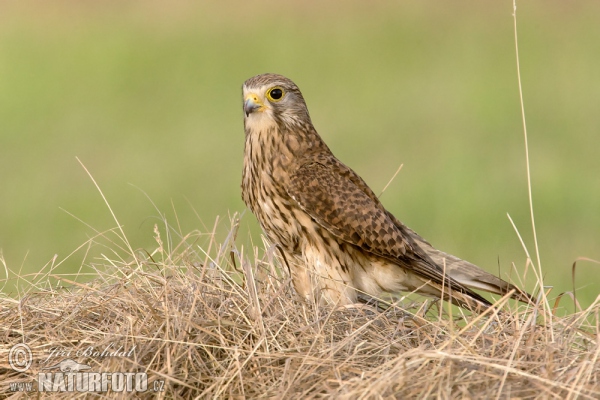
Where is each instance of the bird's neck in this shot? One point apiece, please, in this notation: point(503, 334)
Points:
point(273, 154)
point(282, 147)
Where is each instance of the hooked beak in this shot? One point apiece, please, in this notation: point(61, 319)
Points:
point(251, 104)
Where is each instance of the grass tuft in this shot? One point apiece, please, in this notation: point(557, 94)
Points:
point(218, 321)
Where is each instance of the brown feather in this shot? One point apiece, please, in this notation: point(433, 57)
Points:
point(330, 226)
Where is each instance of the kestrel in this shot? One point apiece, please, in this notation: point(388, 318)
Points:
point(336, 237)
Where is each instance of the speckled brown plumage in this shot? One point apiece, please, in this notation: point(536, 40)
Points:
point(334, 233)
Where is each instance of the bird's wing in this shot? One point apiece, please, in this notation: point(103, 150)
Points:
point(339, 205)
point(463, 271)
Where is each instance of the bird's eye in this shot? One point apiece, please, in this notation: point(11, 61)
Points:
point(275, 94)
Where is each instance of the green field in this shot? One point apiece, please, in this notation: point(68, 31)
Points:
point(148, 96)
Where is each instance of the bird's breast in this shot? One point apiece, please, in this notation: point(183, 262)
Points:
point(264, 186)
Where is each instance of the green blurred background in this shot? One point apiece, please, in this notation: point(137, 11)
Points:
point(148, 94)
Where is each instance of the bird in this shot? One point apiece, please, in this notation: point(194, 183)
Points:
point(336, 239)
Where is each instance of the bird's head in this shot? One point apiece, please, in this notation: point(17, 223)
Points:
point(272, 100)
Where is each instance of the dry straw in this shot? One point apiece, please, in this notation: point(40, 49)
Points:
point(214, 322)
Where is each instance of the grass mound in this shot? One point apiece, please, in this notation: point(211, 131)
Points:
point(213, 322)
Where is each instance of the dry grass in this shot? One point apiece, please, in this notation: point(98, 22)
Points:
point(213, 322)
